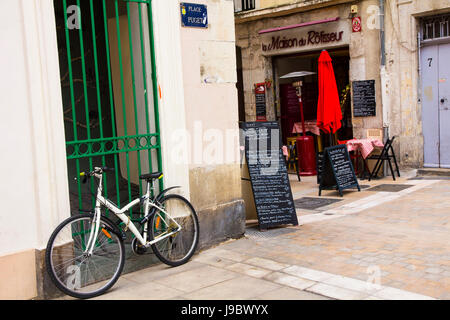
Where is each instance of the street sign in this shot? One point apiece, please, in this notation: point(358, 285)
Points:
point(194, 15)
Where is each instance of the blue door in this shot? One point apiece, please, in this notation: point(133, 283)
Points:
point(435, 62)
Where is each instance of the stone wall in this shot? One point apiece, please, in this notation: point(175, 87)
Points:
point(211, 108)
point(403, 78)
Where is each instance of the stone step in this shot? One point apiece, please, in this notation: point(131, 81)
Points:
point(433, 172)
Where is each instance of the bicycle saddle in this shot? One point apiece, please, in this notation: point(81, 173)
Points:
point(151, 176)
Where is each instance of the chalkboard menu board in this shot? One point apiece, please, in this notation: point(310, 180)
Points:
point(336, 170)
point(260, 100)
point(268, 174)
point(364, 102)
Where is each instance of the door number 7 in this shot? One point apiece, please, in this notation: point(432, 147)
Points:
point(429, 61)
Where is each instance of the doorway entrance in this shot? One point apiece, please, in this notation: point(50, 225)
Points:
point(435, 76)
point(288, 112)
point(110, 111)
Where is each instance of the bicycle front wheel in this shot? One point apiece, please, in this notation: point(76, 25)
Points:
point(76, 272)
point(179, 247)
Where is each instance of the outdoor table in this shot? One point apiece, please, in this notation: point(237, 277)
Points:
point(310, 125)
point(364, 147)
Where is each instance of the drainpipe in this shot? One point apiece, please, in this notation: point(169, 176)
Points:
point(384, 96)
point(385, 99)
point(382, 13)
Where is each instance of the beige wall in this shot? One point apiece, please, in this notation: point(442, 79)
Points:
point(210, 95)
point(365, 65)
point(34, 189)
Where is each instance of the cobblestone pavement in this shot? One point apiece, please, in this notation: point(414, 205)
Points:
point(370, 245)
point(401, 241)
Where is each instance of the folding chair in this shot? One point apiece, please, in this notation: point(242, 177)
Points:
point(293, 158)
point(384, 155)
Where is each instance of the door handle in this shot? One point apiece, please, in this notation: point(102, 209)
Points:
point(442, 100)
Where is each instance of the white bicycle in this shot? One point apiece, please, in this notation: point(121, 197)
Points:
point(85, 254)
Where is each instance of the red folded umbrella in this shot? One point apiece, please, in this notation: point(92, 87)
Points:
point(329, 113)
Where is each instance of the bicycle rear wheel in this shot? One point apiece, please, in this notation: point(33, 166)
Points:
point(70, 267)
point(178, 248)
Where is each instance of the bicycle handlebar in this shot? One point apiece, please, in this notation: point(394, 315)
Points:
point(100, 170)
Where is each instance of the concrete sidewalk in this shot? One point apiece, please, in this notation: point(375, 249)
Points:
point(373, 244)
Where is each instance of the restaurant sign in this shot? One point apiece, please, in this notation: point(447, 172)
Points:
point(293, 40)
point(312, 38)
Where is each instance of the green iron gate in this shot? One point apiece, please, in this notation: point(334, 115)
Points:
point(109, 87)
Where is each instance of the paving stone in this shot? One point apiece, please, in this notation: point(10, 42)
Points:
point(248, 270)
point(411, 267)
point(372, 298)
point(433, 270)
point(266, 264)
point(213, 260)
point(140, 292)
point(229, 254)
point(431, 276)
point(234, 289)
point(336, 292)
point(306, 273)
point(352, 284)
point(159, 271)
point(198, 278)
point(288, 280)
point(384, 262)
point(396, 294)
point(370, 259)
point(399, 264)
point(287, 293)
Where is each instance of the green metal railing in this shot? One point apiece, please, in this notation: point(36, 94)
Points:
point(110, 119)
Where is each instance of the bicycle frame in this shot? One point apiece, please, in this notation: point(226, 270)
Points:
point(120, 213)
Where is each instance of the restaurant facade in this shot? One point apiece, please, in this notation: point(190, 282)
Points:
point(377, 48)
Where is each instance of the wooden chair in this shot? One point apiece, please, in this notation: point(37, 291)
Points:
point(386, 155)
point(293, 159)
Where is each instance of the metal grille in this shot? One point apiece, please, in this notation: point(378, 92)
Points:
point(244, 5)
point(390, 187)
point(436, 27)
point(107, 67)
